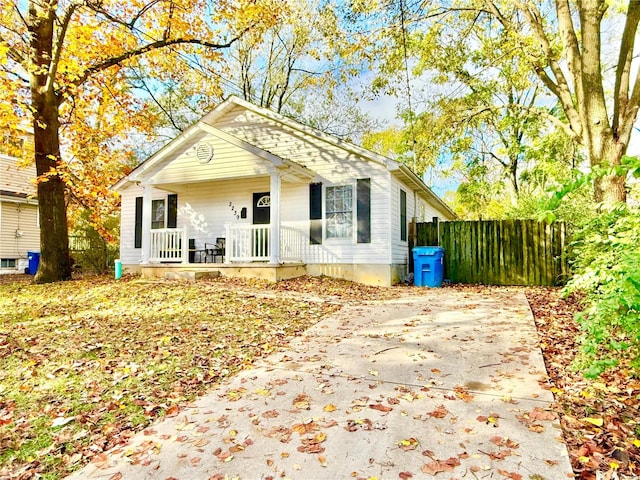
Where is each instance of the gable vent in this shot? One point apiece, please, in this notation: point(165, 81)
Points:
point(204, 152)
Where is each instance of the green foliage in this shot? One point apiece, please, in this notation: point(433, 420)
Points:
point(606, 251)
point(92, 251)
point(550, 161)
point(607, 271)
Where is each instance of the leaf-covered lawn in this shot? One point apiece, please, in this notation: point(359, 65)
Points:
point(84, 364)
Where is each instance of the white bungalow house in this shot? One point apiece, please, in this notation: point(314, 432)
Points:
point(248, 192)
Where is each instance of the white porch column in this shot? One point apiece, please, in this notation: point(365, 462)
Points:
point(146, 224)
point(185, 244)
point(275, 218)
point(228, 243)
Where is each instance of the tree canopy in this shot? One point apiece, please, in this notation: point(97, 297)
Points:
point(510, 67)
point(66, 64)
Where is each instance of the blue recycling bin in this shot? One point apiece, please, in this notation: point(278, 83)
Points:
point(428, 266)
point(34, 262)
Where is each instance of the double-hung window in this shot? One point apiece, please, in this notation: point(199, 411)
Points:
point(339, 211)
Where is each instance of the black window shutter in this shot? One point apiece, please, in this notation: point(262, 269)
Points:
point(363, 196)
point(172, 211)
point(137, 235)
point(315, 213)
point(403, 215)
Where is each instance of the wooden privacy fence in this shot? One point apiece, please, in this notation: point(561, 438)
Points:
point(498, 252)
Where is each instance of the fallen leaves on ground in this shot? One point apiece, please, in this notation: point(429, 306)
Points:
point(107, 358)
point(437, 466)
point(599, 417)
point(84, 364)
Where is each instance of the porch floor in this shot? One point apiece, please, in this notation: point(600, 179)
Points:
point(193, 271)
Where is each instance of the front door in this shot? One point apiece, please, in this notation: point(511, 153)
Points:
point(261, 208)
point(261, 216)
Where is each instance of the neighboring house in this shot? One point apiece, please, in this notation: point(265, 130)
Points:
point(19, 225)
point(268, 197)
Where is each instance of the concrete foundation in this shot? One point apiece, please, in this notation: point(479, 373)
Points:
point(368, 274)
point(272, 273)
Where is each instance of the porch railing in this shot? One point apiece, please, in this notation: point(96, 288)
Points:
point(244, 244)
point(252, 243)
point(168, 245)
point(293, 242)
point(248, 243)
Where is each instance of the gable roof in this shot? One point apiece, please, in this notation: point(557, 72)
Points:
point(207, 125)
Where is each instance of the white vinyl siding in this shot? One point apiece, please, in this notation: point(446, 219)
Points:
point(334, 166)
point(15, 178)
point(229, 161)
point(22, 217)
point(19, 227)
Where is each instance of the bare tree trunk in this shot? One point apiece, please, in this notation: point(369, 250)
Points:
point(598, 135)
point(55, 264)
point(610, 188)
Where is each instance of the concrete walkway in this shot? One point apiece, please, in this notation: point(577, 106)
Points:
point(449, 383)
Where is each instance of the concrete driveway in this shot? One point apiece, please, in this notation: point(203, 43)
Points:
point(448, 383)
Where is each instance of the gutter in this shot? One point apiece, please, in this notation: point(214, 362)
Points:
point(412, 178)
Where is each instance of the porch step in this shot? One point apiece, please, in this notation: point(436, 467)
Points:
point(190, 275)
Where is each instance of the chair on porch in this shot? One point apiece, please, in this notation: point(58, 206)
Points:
point(213, 250)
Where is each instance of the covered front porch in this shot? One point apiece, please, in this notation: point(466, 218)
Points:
point(241, 244)
point(227, 221)
point(217, 199)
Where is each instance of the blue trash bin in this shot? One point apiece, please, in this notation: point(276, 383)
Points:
point(34, 262)
point(428, 266)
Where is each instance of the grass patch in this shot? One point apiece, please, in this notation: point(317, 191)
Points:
point(85, 363)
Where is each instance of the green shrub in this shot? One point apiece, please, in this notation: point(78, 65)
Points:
point(606, 266)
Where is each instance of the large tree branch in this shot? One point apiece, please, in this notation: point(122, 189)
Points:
point(560, 87)
point(156, 45)
point(623, 70)
point(59, 46)
point(628, 118)
point(570, 42)
point(593, 101)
